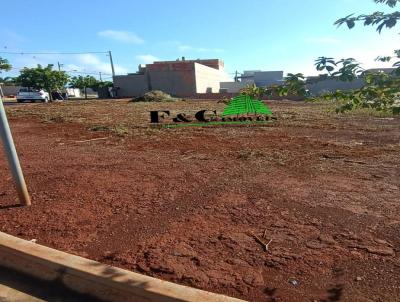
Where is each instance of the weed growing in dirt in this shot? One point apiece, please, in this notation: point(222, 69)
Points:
point(246, 154)
point(55, 118)
point(100, 128)
point(119, 129)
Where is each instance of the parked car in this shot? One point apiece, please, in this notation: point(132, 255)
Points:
point(32, 95)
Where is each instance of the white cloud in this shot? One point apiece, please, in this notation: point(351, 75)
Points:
point(146, 59)
point(367, 51)
point(364, 51)
point(72, 67)
point(85, 63)
point(92, 62)
point(121, 36)
point(365, 57)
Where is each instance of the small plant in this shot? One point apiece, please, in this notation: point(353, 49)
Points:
point(100, 128)
point(293, 85)
point(253, 91)
point(120, 130)
point(224, 100)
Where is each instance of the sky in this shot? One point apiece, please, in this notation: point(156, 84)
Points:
point(247, 35)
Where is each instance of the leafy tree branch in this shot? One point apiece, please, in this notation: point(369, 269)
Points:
point(378, 19)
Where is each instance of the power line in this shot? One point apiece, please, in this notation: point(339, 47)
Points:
point(108, 53)
point(52, 53)
point(71, 71)
point(89, 72)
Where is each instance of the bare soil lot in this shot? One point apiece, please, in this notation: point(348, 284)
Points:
point(184, 204)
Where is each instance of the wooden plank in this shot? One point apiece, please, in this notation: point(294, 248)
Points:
point(91, 277)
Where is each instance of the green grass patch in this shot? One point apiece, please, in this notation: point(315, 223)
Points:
point(216, 124)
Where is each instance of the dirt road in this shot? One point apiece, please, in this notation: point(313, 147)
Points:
point(184, 204)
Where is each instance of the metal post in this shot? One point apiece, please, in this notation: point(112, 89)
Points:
point(101, 80)
point(12, 157)
point(112, 64)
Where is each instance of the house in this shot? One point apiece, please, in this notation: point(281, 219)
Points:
point(181, 78)
point(319, 86)
point(250, 77)
point(384, 70)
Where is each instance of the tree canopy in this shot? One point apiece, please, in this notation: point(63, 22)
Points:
point(4, 65)
point(82, 82)
point(8, 81)
point(43, 78)
point(381, 90)
point(379, 19)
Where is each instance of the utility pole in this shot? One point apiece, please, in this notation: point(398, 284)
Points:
point(100, 76)
point(112, 64)
point(59, 66)
point(12, 157)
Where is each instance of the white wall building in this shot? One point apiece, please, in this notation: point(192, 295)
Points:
point(250, 77)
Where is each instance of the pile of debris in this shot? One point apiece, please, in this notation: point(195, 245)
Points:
point(154, 96)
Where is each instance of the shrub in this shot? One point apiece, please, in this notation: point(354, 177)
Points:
point(381, 93)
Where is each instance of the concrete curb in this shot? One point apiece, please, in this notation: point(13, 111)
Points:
point(90, 277)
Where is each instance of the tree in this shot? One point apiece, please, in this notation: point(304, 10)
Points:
point(294, 85)
point(381, 90)
point(43, 78)
point(379, 93)
point(381, 21)
point(378, 19)
point(84, 83)
point(347, 69)
point(4, 65)
point(104, 84)
point(324, 63)
point(8, 81)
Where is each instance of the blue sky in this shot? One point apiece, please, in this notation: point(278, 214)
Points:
point(253, 34)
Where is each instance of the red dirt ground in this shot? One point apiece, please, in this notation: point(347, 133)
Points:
point(183, 204)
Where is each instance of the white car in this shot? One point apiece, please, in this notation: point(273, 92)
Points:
point(32, 95)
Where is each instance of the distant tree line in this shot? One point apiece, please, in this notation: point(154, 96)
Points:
point(48, 79)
